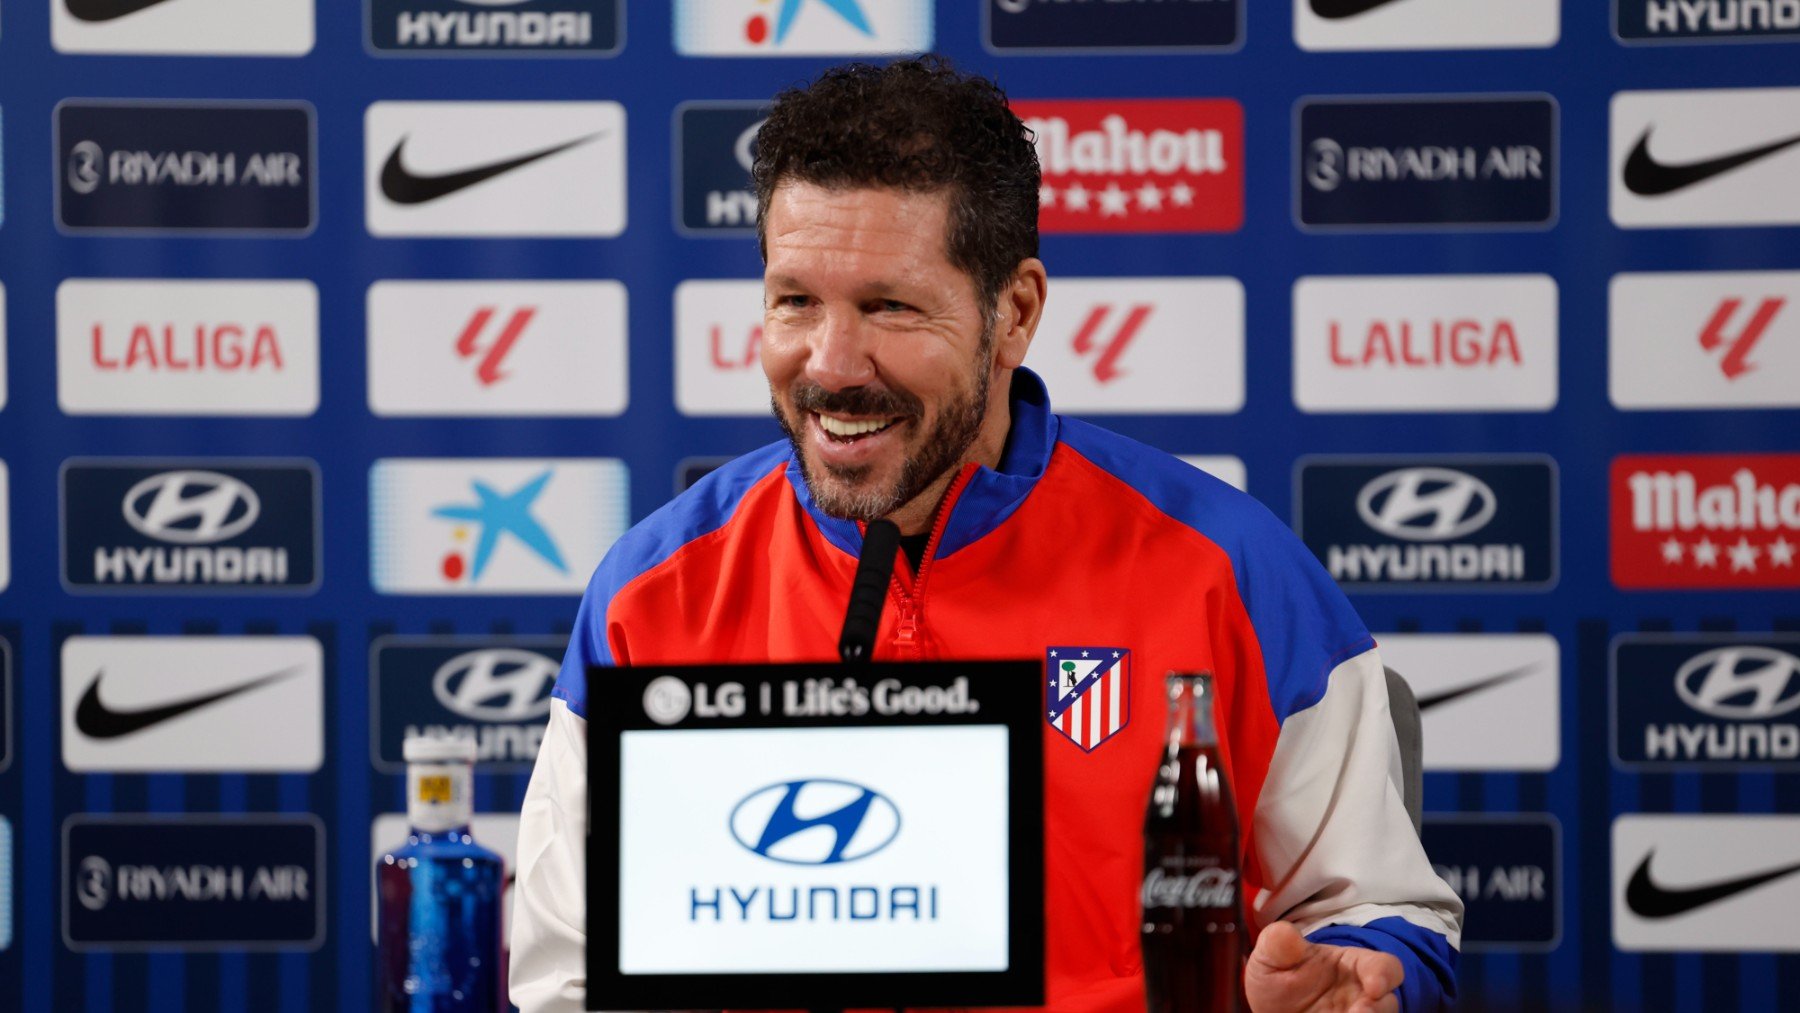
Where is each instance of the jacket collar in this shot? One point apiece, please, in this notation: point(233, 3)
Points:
point(991, 495)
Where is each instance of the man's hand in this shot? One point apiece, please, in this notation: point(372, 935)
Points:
point(1287, 973)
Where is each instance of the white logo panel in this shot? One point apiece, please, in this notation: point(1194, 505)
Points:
point(167, 347)
point(184, 27)
point(5, 534)
point(1111, 346)
point(251, 704)
point(2, 350)
point(1686, 159)
point(497, 832)
point(497, 348)
point(1426, 24)
point(1488, 701)
point(493, 525)
point(1708, 339)
point(1425, 343)
point(718, 338)
point(1224, 467)
point(802, 27)
point(495, 168)
point(1708, 883)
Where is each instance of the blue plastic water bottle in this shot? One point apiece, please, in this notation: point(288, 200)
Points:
point(438, 931)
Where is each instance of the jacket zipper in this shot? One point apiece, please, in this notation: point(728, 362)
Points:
point(912, 599)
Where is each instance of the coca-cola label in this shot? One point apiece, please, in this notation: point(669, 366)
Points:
point(1206, 887)
point(1719, 521)
point(1138, 165)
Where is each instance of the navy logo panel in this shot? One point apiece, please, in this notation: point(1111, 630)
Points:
point(1058, 25)
point(6, 751)
point(494, 691)
point(134, 882)
point(522, 27)
point(185, 167)
point(1687, 21)
point(197, 525)
point(1508, 874)
point(718, 144)
point(1696, 700)
point(1448, 163)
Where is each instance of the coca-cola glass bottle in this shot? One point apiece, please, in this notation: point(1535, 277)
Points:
point(1193, 934)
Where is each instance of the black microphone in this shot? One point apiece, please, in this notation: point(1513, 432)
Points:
point(874, 568)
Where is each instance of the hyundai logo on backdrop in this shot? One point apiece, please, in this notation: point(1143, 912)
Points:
point(1382, 523)
point(1714, 521)
point(1142, 345)
point(1639, 21)
point(1693, 159)
point(715, 147)
point(1087, 26)
point(497, 348)
point(228, 704)
point(201, 525)
point(183, 27)
point(193, 882)
point(1705, 701)
point(496, 27)
point(494, 168)
point(1508, 871)
point(1488, 701)
point(1138, 165)
point(493, 691)
point(1425, 24)
point(1430, 343)
point(185, 167)
point(1704, 339)
point(1425, 163)
point(802, 27)
point(170, 347)
point(861, 821)
point(1710, 883)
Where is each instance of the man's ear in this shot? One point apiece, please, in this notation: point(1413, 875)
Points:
point(1017, 312)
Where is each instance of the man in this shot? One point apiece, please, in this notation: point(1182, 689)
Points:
point(898, 219)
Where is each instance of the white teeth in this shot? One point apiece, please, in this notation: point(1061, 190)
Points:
point(838, 427)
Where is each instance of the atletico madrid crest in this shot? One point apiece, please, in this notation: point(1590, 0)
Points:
point(1090, 692)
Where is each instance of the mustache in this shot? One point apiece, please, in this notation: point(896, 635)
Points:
point(855, 401)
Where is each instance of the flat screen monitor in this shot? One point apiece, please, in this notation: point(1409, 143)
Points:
point(815, 836)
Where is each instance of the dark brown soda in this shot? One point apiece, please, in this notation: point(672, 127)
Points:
point(1193, 927)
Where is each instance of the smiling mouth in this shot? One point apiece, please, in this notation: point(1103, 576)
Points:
point(852, 430)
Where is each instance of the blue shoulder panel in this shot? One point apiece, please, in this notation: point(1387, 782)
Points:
point(1427, 958)
point(704, 508)
point(1303, 623)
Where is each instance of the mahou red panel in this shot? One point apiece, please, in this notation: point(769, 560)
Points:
point(1718, 521)
point(1139, 165)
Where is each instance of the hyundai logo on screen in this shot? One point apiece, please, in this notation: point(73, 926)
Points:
point(815, 822)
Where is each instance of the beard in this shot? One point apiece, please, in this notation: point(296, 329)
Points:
point(852, 493)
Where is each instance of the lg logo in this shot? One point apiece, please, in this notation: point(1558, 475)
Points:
point(191, 507)
point(1741, 683)
point(505, 684)
point(860, 822)
point(1426, 504)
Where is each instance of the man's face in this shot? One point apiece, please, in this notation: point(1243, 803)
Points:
point(878, 359)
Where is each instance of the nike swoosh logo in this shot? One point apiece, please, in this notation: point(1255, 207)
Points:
point(404, 187)
point(1338, 9)
point(1439, 699)
point(107, 10)
point(98, 721)
point(1647, 177)
point(1649, 900)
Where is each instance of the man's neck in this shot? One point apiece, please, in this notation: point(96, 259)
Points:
point(916, 516)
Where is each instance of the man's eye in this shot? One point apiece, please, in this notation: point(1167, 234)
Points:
point(792, 301)
point(894, 306)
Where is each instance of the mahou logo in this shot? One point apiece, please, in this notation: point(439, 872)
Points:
point(1143, 165)
point(1722, 521)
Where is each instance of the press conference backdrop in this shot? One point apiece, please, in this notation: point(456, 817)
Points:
point(342, 339)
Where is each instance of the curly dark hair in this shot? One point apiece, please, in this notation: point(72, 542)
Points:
point(915, 125)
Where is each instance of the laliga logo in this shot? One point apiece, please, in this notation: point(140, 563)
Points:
point(860, 821)
point(191, 507)
point(1456, 505)
point(93, 882)
point(504, 684)
point(1711, 681)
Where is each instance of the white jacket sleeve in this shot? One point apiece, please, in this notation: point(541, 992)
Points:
point(549, 933)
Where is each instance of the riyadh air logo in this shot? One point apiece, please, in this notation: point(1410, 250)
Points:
point(191, 507)
point(492, 526)
point(1707, 883)
point(496, 27)
point(1706, 521)
point(1706, 700)
point(857, 822)
point(801, 27)
point(1136, 345)
point(182, 27)
point(1507, 870)
point(495, 168)
point(1426, 504)
point(1691, 21)
point(1704, 158)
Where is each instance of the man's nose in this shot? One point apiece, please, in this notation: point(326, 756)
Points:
point(839, 353)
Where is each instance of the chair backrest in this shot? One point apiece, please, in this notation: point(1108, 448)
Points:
point(1405, 708)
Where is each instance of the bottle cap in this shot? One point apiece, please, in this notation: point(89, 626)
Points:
point(438, 749)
